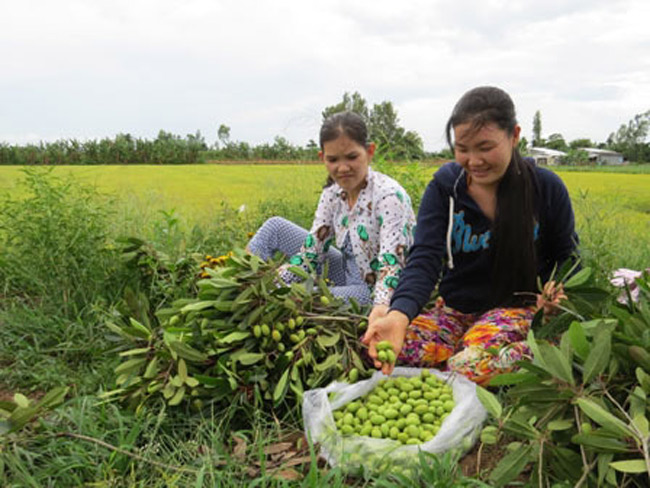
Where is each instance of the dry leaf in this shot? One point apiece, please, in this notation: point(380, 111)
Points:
point(287, 475)
point(239, 452)
point(276, 448)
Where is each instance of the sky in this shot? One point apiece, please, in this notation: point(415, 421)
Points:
point(88, 69)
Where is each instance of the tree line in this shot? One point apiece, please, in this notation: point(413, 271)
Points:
point(394, 143)
point(630, 140)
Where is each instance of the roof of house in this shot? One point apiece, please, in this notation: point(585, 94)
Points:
point(604, 152)
point(545, 151)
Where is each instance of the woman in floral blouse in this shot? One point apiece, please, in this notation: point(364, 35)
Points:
point(363, 225)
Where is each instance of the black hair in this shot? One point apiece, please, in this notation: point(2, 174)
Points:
point(513, 231)
point(347, 123)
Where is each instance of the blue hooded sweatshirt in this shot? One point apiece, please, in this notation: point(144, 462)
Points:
point(462, 242)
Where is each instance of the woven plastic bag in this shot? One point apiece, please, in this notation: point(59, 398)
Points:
point(459, 430)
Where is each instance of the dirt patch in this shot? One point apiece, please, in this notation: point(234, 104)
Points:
point(481, 460)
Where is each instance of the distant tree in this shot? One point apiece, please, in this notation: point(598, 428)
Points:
point(557, 142)
point(630, 138)
point(584, 142)
point(352, 103)
point(537, 129)
point(393, 141)
point(223, 134)
point(523, 146)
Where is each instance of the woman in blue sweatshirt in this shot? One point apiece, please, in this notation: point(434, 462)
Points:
point(489, 224)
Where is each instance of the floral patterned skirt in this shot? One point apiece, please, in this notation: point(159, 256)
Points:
point(478, 346)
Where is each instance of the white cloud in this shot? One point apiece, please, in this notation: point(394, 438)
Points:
point(92, 69)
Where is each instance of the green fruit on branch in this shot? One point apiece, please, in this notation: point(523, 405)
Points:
point(232, 356)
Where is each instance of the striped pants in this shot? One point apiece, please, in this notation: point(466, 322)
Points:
point(279, 234)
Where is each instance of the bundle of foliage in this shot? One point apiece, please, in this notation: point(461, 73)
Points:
point(578, 414)
point(243, 339)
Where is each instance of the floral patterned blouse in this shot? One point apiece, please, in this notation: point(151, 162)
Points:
point(380, 225)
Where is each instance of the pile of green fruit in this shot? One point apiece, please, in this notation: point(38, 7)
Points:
point(245, 338)
point(407, 410)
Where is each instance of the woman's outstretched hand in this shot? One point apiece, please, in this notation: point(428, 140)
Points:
point(385, 326)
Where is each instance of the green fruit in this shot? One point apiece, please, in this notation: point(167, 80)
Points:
point(377, 419)
point(362, 413)
point(324, 300)
point(276, 336)
point(413, 441)
point(337, 414)
point(448, 405)
point(347, 430)
point(281, 347)
point(257, 331)
point(301, 334)
point(391, 413)
point(390, 356)
point(363, 324)
point(365, 430)
point(353, 375)
point(381, 356)
point(353, 407)
point(280, 326)
point(586, 427)
point(376, 433)
point(174, 320)
point(299, 320)
point(266, 330)
point(311, 331)
point(425, 373)
point(403, 437)
point(384, 345)
point(294, 338)
point(289, 355)
point(405, 409)
point(412, 431)
point(291, 323)
point(394, 433)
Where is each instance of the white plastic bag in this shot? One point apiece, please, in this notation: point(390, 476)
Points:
point(458, 431)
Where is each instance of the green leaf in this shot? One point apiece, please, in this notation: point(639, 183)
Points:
point(134, 352)
point(53, 397)
point(578, 340)
point(21, 400)
point(140, 329)
point(556, 363)
point(518, 378)
point(197, 306)
point(191, 382)
point(601, 442)
point(563, 424)
point(578, 279)
point(178, 397)
point(641, 423)
point(598, 357)
point(152, 368)
point(281, 387)
point(328, 363)
point(187, 352)
point(328, 340)
point(510, 466)
point(631, 466)
point(235, 337)
point(490, 402)
point(130, 365)
point(251, 358)
point(182, 370)
point(602, 417)
point(298, 272)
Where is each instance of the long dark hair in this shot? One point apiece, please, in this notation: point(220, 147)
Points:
point(349, 124)
point(513, 232)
